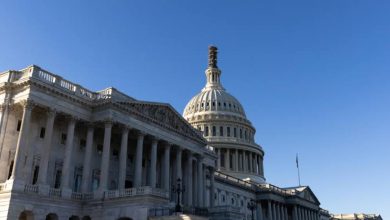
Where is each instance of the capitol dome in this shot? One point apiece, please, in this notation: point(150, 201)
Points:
point(222, 120)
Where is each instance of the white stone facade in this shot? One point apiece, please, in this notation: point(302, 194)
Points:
point(70, 153)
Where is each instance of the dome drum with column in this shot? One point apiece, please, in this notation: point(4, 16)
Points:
point(222, 120)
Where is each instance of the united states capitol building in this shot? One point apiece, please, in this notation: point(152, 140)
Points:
point(70, 153)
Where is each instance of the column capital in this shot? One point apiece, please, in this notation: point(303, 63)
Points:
point(190, 153)
point(199, 157)
point(167, 144)
point(72, 118)
point(140, 133)
point(28, 104)
point(90, 125)
point(108, 121)
point(155, 138)
point(125, 128)
point(51, 112)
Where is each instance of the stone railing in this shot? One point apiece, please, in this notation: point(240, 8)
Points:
point(272, 188)
point(37, 73)
point(233, 179)
point(54, 192)
point(28, 188)
point(262, 187)
point(76, 196)
point(140, 191)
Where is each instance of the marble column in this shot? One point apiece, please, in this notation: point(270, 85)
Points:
point(270, 211)
point(123, 158)
point(250, 162)
point(200, 181)
point(236, 161)
point(282, 212)
point(294, 213)
point(167, 152)
point(178, 163)
point(46, 148)
point(189, 178)
point(227, 159)
point(22, 144)
point(259, 211)
point(285, 213)
point(87, 160)
point(66, 167)
point(301, 210)
point(299, 213)
point(254, 162)
point(219, 158)
point(105, 162)
point(274, 216)
point(246, 165)
point(212, 187)
point(153, 164)
point(138, 160)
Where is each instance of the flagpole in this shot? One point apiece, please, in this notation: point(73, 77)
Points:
point(299, 175)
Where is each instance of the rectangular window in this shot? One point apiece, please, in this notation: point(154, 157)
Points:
point(35, 175)
point(206, 131)
point(221, 131)
point(240, 133)
point(235, 132)
point(57, 181)
point(42, 133)
point(63, 138)
point(228, 131)
point(214, 131)
point(246, 135)
point(19, 125)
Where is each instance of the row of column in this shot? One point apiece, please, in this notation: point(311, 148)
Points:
point(302, 213)
point(276, 211)
point(20, 169)
point(245, 161)
point(279, 211)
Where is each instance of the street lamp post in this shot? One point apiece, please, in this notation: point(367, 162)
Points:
point(252, 206)
point(178, 190)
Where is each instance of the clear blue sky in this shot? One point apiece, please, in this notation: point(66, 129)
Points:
point(313, 76)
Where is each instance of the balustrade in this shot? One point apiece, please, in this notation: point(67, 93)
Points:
point(28, 188)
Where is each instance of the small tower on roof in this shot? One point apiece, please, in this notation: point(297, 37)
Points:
point(213, 73)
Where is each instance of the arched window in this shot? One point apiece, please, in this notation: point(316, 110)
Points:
point(26, 215)
point(221, 131)
point(206, 131)
point(52, 216)
point(228, 131)
point(214, 131)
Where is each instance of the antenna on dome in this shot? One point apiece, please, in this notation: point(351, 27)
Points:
point(213, 51)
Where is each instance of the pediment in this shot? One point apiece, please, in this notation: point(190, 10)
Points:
point(166, 116)
point(307, 194)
